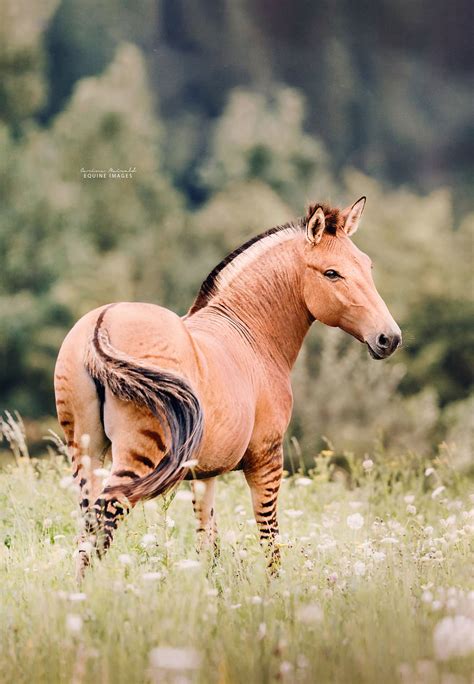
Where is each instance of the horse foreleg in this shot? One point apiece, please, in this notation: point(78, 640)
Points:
point(204, 492)
point(264, 474)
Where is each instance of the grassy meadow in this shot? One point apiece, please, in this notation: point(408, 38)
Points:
point(376, 583)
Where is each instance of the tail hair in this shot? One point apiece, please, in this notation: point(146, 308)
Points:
point(168, 396)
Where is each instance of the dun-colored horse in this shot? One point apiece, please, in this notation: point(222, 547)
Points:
point(158, 391)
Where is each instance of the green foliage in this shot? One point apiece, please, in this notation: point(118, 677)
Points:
point(22, 84)
point(342, 394)
point(69, 243)
point(263, 138)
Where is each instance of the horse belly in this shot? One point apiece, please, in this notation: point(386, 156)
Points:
point(229, 415)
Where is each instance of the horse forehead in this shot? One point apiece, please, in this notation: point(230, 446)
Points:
point(343, 247)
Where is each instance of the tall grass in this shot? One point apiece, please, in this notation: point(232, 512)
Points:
point(376, 584)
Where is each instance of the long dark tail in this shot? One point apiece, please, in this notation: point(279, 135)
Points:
point(167, 395)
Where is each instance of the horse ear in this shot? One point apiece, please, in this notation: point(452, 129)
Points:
point(353, 215)
point(315, 226)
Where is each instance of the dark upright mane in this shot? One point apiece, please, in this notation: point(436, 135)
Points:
point(334, 217)
point(209, 287)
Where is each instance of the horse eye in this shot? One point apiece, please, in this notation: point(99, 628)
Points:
point(331, 274)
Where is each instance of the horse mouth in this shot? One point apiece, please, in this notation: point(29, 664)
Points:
point(373, 353)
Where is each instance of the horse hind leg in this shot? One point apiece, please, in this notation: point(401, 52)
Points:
point(88, 450)
point(136, 452)
point(79, 416)
point(204, 492)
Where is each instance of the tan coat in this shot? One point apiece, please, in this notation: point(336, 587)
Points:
point(159, 390)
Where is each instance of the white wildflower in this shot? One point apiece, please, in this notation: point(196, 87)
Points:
point(449, 521)
point(367, 465)
point(293, 513)
point(168, 658)
point(256, 600)
point(437, 491)
point(389, 540)
point(453, 637)
point(285, 667)
point(411, 509)
point(327, 522)
point(379, 556)
point(184, 495)
point(360, 568)
point(148, 539)
point(409, 498)
point(355, 521)
point(262, 630)
point(230, 537)
point(427, 597)
point(125, 559)
point(310, 613)
point(152, 576)
point(188, 564)
point(303, 481)
point(77, 596)
point(66, 482)
point(73, 623)
point(429, 471)
point(150, 506)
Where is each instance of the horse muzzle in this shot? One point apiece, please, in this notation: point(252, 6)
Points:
point(382, 345)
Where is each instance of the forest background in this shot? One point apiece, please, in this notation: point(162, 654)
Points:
point(234, 116)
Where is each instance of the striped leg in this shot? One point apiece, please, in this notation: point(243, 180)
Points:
point(101, 521)
point(264, 473)
point(87, 448)
point(203, 504)
point(85, 461)
point(87, 455)
point(129, 464)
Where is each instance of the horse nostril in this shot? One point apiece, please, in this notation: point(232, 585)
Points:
point(397, 341)
point(383, 341)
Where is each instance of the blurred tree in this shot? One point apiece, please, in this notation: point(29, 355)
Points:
point(374, 89)
point(23, 87)
point(69, 243)
point(263, 138)
point(343, 394)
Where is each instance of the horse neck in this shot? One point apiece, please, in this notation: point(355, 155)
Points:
point(265, 301)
